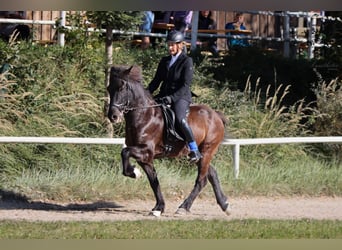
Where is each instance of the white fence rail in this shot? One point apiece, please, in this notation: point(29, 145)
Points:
point(234, 142)
point(280, 140)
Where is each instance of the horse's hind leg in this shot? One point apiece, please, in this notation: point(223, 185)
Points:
point(200, 183)
point(220, 197)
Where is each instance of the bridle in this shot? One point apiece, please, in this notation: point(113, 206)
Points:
point(125, 107)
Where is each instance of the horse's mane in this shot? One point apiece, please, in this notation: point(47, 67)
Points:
point(134, 76)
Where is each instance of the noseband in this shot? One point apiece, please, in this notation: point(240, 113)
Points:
point(126, 107)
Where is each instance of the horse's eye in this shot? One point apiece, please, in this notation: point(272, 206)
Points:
point(122, 84)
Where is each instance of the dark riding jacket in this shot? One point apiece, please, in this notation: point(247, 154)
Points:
point(176, 80)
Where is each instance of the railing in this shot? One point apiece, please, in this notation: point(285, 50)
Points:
point(235, 142)
point(280, 140)
point(311, 23)
point(43, 22)
point(26, 21)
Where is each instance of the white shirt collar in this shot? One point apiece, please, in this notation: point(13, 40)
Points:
point(174, 58)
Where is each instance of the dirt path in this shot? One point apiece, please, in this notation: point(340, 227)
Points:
point(242, 208)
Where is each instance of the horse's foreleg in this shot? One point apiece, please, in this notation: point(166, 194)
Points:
point(128, 169)
point(147, 165)
point(154, 183)
point(220, 197)
point(200, 183)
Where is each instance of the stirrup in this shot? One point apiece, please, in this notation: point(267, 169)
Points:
point(195, 156)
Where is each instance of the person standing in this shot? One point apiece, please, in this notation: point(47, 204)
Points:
point(146, 26)
point(174, 76)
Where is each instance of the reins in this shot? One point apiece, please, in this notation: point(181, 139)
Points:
point(126, 109)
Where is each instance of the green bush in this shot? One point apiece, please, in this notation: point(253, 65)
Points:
point(270, 71)
point(328, 116)
point(54, 91)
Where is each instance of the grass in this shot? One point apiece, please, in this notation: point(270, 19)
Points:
point(309, 178)
point(68, 101)
point(101, 178)
point(153, 229)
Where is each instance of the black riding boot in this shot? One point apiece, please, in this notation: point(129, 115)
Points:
point(195, 154)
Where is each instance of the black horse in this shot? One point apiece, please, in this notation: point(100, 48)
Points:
point(145, 136)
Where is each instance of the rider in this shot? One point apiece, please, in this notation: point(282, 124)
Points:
point(175, 72)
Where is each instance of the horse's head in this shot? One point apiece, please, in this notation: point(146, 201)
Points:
point(120, 91)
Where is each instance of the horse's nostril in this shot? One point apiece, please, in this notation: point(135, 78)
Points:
point(114, 115)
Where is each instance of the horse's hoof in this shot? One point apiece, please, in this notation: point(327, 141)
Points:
point(155, 213)
point(137, 173)
point(228, 210)
point(181, 211)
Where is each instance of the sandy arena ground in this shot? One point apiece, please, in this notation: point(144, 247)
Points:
point(205, 209)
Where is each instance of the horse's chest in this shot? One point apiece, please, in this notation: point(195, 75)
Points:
point(139, 135)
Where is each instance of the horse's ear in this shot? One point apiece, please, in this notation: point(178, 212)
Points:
point(128, 71)
point(112, 70)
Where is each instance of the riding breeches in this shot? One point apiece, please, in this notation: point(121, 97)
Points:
point(181, 109)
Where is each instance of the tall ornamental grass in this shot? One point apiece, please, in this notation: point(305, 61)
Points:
point(54, 91)
point(328, 116)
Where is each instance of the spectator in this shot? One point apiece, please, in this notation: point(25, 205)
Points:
point(205, 22)
point(9, 29)
point(237, 24)
point(159, 17)
point(162, 16)
point(181, 20)
point(146, 26)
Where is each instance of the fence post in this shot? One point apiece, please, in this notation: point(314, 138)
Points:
point(236, 160)
point(312, 21)
point(194, 29)
point(61, 35)
point(286, 34)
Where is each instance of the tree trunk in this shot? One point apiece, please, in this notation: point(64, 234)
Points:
point(109, 62)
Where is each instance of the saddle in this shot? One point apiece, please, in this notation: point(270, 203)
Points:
point(170, 132)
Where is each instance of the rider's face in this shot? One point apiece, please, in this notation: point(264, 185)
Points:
point(174, 48)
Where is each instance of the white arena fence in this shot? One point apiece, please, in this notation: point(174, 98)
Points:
point(236, 143)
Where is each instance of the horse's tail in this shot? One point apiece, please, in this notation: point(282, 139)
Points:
point(223, 118)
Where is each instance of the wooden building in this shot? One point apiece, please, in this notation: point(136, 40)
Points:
point(43, 32)
point(263, 25)
point(260, 25)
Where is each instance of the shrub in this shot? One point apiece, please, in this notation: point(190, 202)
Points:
point(328, 120)
point(265, 117)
